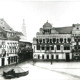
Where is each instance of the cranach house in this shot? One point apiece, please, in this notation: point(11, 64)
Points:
point(62, 43)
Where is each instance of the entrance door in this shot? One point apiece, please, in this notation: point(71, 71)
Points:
point(2, 61)
point(67, 57)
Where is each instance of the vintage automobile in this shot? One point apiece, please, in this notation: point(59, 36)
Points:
point(14, 74)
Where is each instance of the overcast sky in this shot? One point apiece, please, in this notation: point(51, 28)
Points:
point(36, 13)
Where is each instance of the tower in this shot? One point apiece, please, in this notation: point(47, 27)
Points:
point(24, 29)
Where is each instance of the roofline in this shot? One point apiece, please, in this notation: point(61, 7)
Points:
point(64, 27)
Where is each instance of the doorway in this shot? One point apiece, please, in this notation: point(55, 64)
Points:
point(2, 61)
point(67, 57)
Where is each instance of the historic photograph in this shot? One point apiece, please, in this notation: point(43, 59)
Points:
point(39, 40)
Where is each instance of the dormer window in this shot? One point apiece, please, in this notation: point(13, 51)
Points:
point(77, 28)
point(3, 27)
point(10, 29)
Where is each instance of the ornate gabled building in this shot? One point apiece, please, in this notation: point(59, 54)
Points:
point(61, 43)
point(8, 44)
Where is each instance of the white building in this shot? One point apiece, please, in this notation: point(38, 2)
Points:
point(8, 44)
point(61, 43)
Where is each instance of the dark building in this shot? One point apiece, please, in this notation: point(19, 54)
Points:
point(25, 51)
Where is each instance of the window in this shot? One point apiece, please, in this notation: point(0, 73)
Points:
point(66, 47)
point(43, 40)
point(40, 40)
point(42, 56)
point(38, 56)
point(57, 57)
point(78, 47)
point(12, 59)
point(50, 40)
point(58, 47)
point(50, 31)
point(57, 40)
point(61, 40)
point(79, 39)
point(64, 40)
point(54, 40)
point(42, 47)
point(37, 40)
point(52, 47)
point(52, 56)
point(69, 40)
point(77, 27)
point(38, 47)
point(47, 56)
point(47, 40)
point(47, 48)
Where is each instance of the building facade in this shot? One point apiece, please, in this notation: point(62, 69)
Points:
point(25, 51)
point(8, 44)
point(61, 43)
point(25, 47)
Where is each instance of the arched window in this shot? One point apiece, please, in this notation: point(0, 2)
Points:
point(50, 40)
point(43, 40)
point(40, 40)
point(61, 40)
point(54, 40)
point(47, 40)
point(65, 40)
point(69, 40)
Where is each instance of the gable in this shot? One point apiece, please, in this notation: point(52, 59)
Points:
point(76, 29)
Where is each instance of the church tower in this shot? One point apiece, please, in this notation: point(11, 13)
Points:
point(24, 29)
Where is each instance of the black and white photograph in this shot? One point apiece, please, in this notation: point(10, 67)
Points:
point(39, 40)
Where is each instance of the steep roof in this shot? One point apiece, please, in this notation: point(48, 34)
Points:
point(5, 26)
point(64, 29)
point(19, 33)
